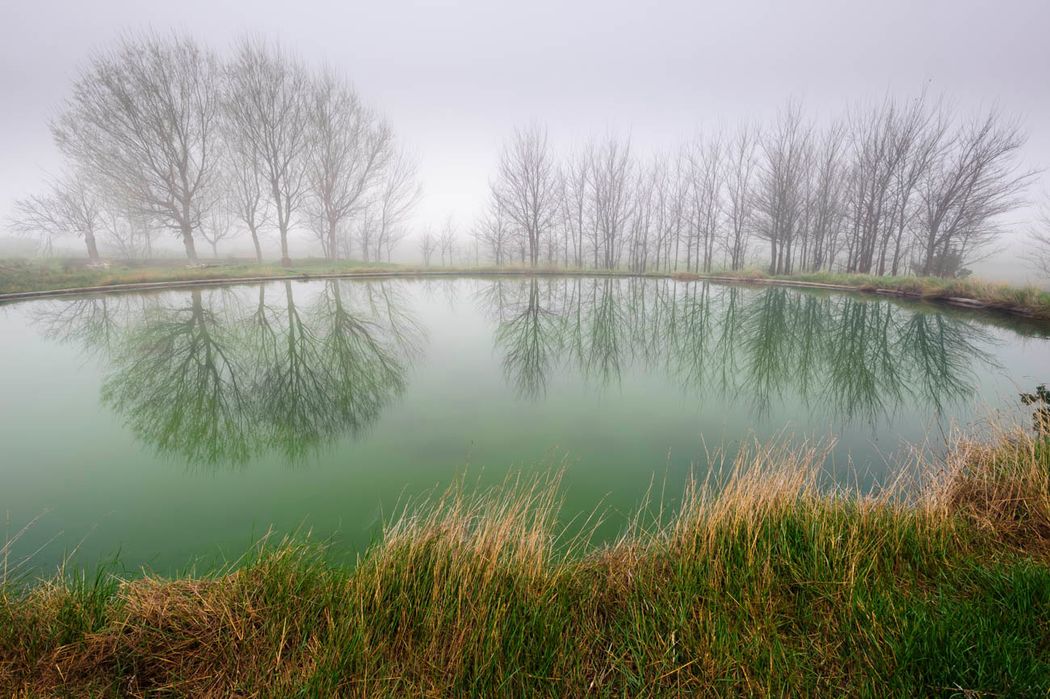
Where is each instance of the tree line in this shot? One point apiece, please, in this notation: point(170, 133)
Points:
point(894, 188)
point(161, 133)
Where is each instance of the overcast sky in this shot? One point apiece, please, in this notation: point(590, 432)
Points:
point(454, 78)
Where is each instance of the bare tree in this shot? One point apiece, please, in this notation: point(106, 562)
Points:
point(527, 187)
point(129, 232)
point(399, 192)
point(351, 149)
point(612, 173)
point(576, 218)
point(780, 197)
point(740, 171)
point(447, 241)
point(247, 194)
point(1040, 238)
point(69, 208)
point(428, 244)
point(143, 123)
point(267, 102)
point(963, 196)
point(705, 159)
point(824, 205)
point(217, 226)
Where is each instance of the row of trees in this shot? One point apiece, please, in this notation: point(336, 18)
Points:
point(898, 187)
point(161, 134)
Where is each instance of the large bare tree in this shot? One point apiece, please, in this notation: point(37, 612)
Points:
point(351, 149)
point(143, 123)
point(247, 187)
point(267, 102)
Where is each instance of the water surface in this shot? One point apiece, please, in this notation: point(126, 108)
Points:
point(180, 426)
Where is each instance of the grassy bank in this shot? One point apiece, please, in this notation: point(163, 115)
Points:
point(18, 275)
point(1026, 300)
point(770, 587)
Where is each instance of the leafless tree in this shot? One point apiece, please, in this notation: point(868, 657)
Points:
point(428, 243)
point(130, 233)
point(142, 123)
point(740, 171)
point(352, 147)
point(824, 204)
point(399, 192)
point(447, 241)
point(527, 187)
point(965, 193)
point(780, 197)
point(68, 208)
point(247, 190)
point(493, 233)
point(218, 226)
point(1041, 241)
point(705, 168)
point(612, 174)
point(268, 103)
point(577, 221)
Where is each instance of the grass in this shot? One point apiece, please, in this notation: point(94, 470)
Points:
point(1020, 300)
point(766, 586)
point(19, 275)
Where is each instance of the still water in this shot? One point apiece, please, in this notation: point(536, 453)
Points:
point(175, 427)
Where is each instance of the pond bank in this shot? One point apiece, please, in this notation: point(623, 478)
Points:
point(18, 283)
point(769, 587)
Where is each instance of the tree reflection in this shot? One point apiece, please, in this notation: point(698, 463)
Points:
point(180, 386)
point(216, 377)
point(855, 358)
point(529, 334)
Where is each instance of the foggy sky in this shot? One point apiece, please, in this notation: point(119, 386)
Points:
point(455, 78)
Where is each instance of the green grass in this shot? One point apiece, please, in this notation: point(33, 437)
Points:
point(19, 275)
point(767, 587)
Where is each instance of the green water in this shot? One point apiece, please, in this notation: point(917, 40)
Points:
point(180, 426)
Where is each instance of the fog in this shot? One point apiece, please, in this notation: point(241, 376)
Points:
point(455, 79)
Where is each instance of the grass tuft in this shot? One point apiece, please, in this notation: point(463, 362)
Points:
point(760, 583)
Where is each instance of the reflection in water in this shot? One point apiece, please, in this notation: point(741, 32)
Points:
point(217, 377)
point(856, 358)
point(214, 379)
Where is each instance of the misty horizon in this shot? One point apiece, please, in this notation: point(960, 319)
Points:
point(454, 81)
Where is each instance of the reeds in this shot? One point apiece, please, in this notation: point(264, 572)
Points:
point(760, 583)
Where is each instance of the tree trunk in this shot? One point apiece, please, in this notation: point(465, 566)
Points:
point(92, 248)
point(285, 260)
point(187, 241)
point(255, 242)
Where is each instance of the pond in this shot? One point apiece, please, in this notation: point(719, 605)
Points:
point(178, 427)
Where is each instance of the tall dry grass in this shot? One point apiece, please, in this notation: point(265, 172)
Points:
point(760, 583)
